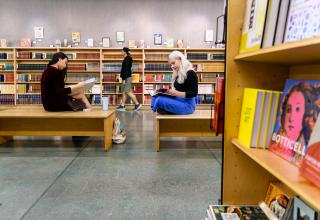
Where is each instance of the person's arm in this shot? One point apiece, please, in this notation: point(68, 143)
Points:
point(191, 84)
point(127, 66)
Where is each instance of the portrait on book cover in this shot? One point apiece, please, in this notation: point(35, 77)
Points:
point(297, 115)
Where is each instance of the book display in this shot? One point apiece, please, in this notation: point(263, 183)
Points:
point(21, 70)
point(276, 68)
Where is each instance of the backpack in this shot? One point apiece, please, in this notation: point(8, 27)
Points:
point(118, 134)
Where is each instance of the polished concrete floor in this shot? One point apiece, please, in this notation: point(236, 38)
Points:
point(74, 179)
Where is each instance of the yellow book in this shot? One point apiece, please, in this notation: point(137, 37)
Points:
point(253, 25)
point(248, 110)
point(135, 77)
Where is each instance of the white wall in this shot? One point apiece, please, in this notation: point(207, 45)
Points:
point(139, 19)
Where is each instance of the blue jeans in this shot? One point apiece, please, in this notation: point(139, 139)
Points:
point(175, 105)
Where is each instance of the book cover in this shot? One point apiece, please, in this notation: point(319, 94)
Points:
point(271, 22)
point(135, 77)
point(159, 92)
point(218, 119)
point(303, 20)
point(225, 212)
point(25, 42)
point(248, 115)
point(302, 211)
point(253, 25)
point(75, 37)
point(310, 166)
point(297, 114)
point(277, 198)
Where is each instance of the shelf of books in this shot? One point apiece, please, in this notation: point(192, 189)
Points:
point(260, 144)
point(21, 69)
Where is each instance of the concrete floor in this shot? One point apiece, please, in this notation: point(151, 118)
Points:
point(74, 179)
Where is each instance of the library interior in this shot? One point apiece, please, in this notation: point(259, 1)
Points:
point(149, 109)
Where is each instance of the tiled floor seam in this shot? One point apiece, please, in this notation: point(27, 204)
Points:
point(54, 181)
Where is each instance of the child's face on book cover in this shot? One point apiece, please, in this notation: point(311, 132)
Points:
point(294, 115)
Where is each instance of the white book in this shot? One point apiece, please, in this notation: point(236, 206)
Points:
point(89, 83)
point(271, 22)
point(281, 21)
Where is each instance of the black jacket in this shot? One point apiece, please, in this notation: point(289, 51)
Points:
point(126, 67)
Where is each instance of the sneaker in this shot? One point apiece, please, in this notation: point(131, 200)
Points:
point(121, 108)
point(137, 107)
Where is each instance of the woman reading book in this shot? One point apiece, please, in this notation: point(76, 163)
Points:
point(182, 97)
point(54, 95)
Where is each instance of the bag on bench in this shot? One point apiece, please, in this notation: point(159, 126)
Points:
point(118, 135)
point(75, 104)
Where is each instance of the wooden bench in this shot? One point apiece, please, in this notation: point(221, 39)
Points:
point(194, 125)
point(34, 121)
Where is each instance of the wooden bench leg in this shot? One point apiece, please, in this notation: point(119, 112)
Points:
point(5, 139)
point(158, 136)
point(108, 127)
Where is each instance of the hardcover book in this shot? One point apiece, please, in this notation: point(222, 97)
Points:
point(297, 114)
point(310, 166)
point(253, 25)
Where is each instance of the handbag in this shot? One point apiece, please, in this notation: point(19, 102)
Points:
point(76, 104)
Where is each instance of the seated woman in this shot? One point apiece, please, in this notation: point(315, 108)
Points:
point(185, 88)
point(54, 95)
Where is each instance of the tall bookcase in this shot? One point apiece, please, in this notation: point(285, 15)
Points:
point(21, 69)
point(247, 172)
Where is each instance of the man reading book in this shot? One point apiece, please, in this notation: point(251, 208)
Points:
point(55, 95)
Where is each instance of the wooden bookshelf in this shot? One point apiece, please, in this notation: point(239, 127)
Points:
point(248, 172)
point(106, 55)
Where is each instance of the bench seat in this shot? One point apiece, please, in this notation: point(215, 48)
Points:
point(34, 121)
point(194, 125)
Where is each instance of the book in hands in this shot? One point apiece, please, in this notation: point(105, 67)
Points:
point(89, 83)
point(159, 92)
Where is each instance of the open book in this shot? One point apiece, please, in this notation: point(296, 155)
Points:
point(89, 83)
point(158, 92)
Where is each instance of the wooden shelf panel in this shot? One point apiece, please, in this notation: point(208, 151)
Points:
point(285, 172)
point(34, 60)
point(157, 82)
point(300, 52)
point(6, 60)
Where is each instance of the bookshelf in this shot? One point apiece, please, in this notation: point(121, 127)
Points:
point(247, 172)
point(23, 67)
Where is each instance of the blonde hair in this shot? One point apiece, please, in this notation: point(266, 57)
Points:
point(185, 66)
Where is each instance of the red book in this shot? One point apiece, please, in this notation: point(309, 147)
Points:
point(218, 119)
point(310, 166)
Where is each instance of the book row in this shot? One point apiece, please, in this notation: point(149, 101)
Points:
point(269, 23)
point(288, 125)
point(280, 203)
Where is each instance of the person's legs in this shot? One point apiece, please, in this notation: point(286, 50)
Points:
point(83, 98)
point(133, 97)
point(179, 106)
point(123, 99)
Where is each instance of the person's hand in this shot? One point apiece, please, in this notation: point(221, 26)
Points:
point(81, 85)
point(173, 92)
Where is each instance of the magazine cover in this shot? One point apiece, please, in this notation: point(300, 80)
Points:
point(297, 115)
point(224, 212)
point(278, 198)
point(310, 167)
point(302, 211)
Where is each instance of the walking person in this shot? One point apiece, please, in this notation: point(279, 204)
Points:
point(126, 87)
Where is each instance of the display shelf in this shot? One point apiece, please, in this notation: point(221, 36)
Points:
point(104, 55)
point(247, 173)
point(284, 171)
point(300, 52)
